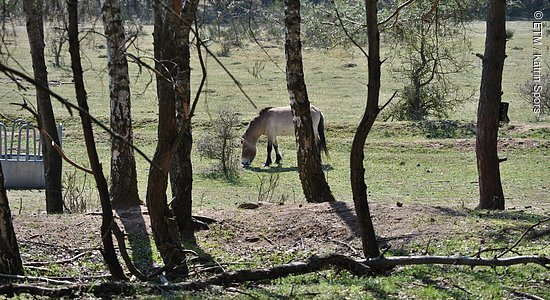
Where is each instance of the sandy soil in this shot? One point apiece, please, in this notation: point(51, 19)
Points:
point(295, 230)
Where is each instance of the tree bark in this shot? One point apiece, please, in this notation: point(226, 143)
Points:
point(312, 177)
point(164, 227)
point(123, 191)
point(10, 259)
point(357, 156)
point(491, 195)
point(181, 175)
point(52, 160)
point(109, 253)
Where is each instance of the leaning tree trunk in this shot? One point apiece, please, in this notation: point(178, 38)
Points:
point(10, 259)
point(52, 160)
point(123, 191)
point(314, 184)
point(181, 174)
point(106, 211)
point(491, 195)
point(358, 185)
point(165, 230)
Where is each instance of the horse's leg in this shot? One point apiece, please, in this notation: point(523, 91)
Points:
point(278, 156)
point(269, 148)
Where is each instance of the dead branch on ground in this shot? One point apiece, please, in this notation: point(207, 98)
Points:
point(314, 264)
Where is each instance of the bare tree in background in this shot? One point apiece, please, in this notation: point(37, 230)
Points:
point(10, 259)
point(491, 195)
point(123, 190)
point(52, 160)
point(108, 250)
point(314, 184)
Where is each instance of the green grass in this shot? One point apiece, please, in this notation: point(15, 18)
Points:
point(427, 163)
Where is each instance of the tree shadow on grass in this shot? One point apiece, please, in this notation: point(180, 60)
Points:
point(135, 227)
point(141, 245)
point(275, 169)
point(282, 169)
point(346, 212)
point(512, 215)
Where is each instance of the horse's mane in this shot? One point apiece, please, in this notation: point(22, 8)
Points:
point(263, 111)
point(258, 117)
point(261, 114)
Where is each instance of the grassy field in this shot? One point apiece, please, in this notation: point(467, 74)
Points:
point(428, 163)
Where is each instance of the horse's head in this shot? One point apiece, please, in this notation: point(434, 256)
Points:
point(249, 151)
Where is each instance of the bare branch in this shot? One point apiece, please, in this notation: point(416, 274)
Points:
point(34, 278)
point(203, 70)
point(57, 148)
point(522, 236)
point(314, 264)
point(12, 73)
point(57, 262)
point(388, 102)
point(347, 33)
point(396, 12)
point(237, 83)
point(256, 40)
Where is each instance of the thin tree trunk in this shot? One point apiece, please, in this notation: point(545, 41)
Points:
point(52, 160)
point(491, 195)
point(181, 175)
point(358, 185)
point(123, 191)
point(10, 259)
point(312, 177)
point(109, 253)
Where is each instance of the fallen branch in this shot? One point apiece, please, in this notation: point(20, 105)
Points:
point(522, 236)
point(314, 264)
point(58, 262)
point(524, 295)
point(457, 261)
point(35, 278)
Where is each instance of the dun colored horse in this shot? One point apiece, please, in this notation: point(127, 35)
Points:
point(275, 121)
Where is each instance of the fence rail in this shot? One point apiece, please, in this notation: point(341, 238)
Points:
point(21, 155)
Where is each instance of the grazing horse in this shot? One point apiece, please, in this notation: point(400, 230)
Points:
point(274, 121)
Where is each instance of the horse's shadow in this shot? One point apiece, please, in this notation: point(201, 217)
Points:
point(274, 169)
point(282, 169)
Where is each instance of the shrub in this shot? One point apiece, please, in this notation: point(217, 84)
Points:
point(221, 142)
point(77, 193)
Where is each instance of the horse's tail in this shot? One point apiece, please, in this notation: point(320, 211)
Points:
point(322, 140)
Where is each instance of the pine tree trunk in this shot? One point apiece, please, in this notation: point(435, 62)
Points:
point(109, 253)
point(52, 160)
point(10, 259)
point(165, 230)
point(314, 184)
point(357, 169)
point(123, 191)
point(181, 175)
point(490, 186)
point(182, 185)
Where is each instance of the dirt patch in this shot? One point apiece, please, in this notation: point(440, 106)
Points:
point(300, 229)
point(326, 227)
